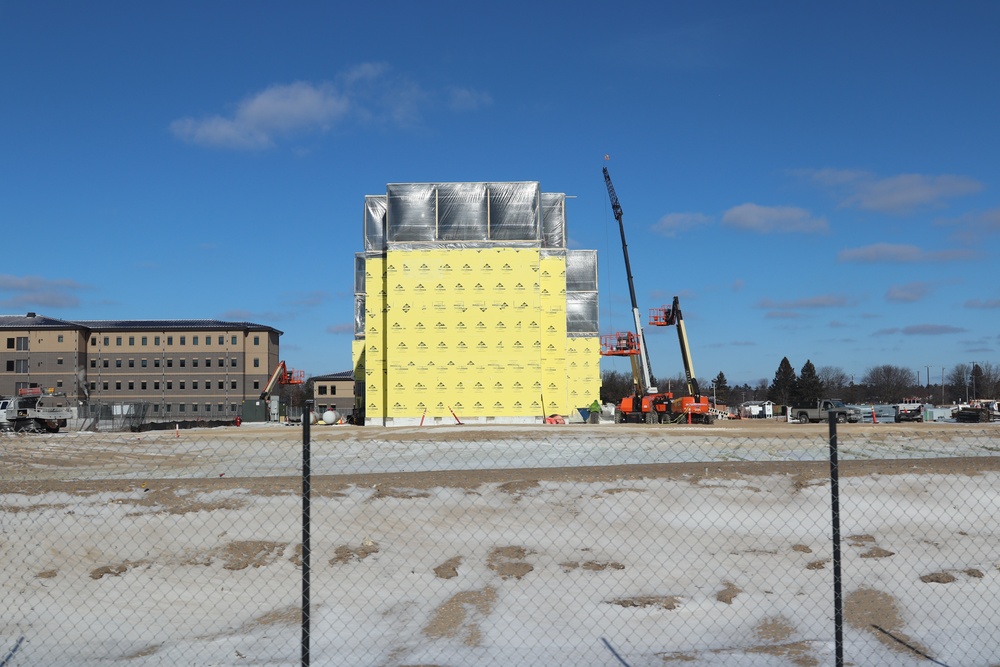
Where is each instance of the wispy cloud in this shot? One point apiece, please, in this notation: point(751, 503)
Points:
point(921, 330)
point(672, 223)
point(900, 253)
point(773, 219)
point(240, 315)
point(35, 291)
point(820, 301)
point(971, 228)
point(908, 293)
point(782, 315)
point(344, 327)
point(897, 195)
point(979, 303)
point(368, 94)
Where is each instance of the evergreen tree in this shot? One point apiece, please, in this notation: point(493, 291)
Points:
point(721, 389)
point(809, 388)
point(782, 389)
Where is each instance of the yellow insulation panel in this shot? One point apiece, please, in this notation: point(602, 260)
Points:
point(481, 332)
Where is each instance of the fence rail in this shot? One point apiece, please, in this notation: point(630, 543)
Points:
point(564, 545)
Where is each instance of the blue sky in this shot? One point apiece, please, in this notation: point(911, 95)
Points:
point(815, 180)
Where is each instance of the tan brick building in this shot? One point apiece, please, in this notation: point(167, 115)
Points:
point(185, 369)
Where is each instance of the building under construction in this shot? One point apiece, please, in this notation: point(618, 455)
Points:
point(469, 307)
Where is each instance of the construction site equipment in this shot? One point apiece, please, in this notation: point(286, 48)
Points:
point(647, 404)
point(261, 410)
point(36, 410)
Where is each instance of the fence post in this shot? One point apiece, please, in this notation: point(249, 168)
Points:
point(306, 492)
point(838, 596)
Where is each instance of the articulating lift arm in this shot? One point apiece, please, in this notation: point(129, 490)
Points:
point(673, 316)
point(644, 377)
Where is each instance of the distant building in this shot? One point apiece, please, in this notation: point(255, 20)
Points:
point(468, 305)
point(185, 369)
point(334, 392)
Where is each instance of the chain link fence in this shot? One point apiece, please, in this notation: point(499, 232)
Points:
point(499, 545)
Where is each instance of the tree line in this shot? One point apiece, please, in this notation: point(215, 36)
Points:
point(879, 384)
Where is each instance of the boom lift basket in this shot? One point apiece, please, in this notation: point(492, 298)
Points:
point(622, 344)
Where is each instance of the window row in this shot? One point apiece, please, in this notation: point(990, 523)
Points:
point(168, 385)
point(144, 340)
point(169, 363)
point(19, 343)
point(182, 407)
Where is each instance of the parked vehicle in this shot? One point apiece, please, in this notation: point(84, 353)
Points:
point(4, 424)
point(910, 410)
point(821, 412)
point(34, 410)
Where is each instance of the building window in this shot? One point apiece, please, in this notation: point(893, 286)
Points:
point(194, 384)
point(22, 343)
point(194, 407)
point(170, 385)
point(60, 338)
point(194, 363)
point(105, 386)
point(232, 362)
point(170, 340)
point(220, 384)
point(170, 363)
point(156, 407)
point(183, 363)
point(93, 363)
point(131, 340)
point(208, 363)
point(143, 385)
point(234, 340)
point(181, 407)
point(156, 386)
point(131, 363)
point(93, 341)
point(59, 361)
point(183, 340)
point(143, 340)
point(58, 383)
point(118, 341)
point(156, 363)
point(168, 407)
point(221, 408)
point(256, 340)
point(93, 386)
point(221, 363)
point(256, 385)
point(118, 363)
point(143, 362)
point(10, 343)
point(221, 339)
point(180, 385)
point(232, 385)
point(208, 407)
point(194, 340)
point(131, 385)
point(256, 363)
point(107, 341)
point(118, 385)
point(322, 390)
point(20, 365)
point(105, 363)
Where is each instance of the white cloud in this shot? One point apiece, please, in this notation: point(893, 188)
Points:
point(897, 195)
point(773, 219)
point(820, 301)
point(367, 94)
point(35, 291)
point(672, 223)
point(900, 253)
point(908, 293)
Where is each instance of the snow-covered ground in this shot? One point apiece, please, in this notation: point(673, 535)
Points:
point(158, 549)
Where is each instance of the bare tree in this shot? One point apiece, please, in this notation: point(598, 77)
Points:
point(834, 379)
point(888, 383)
point(958, 382)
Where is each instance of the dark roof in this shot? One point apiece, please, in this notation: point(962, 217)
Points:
point(34, 321)
point(342, 375)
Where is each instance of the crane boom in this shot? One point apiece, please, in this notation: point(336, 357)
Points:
point(643, 376)
point(673, 316)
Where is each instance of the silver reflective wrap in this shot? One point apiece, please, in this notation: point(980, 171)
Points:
point(581, 312)
point(359, 315)
point(553, 220)
point(515, 211)
point(581, 270)
point(462, 212)
point(375, 212)
point(359, 273)
point(411, 212)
